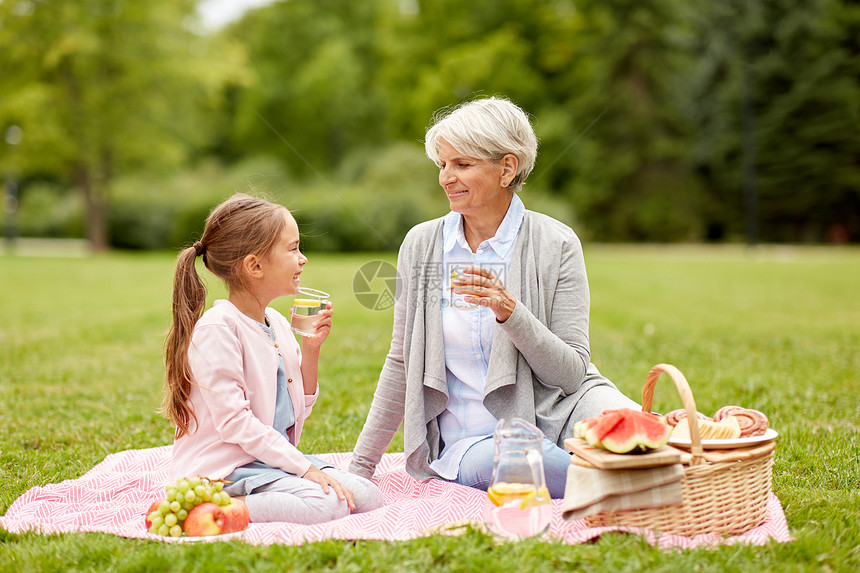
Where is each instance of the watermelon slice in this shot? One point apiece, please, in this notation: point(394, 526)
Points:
point(581, 427)
point(602, 425)
point(654, 430)
point(636, 432)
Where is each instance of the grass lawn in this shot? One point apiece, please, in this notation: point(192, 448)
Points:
point(773, 328)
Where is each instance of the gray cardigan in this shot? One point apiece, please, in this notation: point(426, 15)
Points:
point(539, 360)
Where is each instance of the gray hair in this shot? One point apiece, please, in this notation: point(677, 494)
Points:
point(488, 129)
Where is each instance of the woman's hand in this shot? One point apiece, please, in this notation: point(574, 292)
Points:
point(322, 328)
point(318, 476)
point(480, 286)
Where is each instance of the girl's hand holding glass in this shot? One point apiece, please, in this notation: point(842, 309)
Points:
point(311, 315)
point(320, 326)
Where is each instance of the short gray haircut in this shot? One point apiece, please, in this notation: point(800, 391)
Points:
point(488, 129)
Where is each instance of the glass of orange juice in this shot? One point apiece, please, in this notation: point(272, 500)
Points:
point(306, 306)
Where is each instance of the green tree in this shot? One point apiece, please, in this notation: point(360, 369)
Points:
point(446, 52)
point(326, 87)
point(795, 70)
point(103, 86)
point(315, 92)
point(623, 160)
point(336, 76)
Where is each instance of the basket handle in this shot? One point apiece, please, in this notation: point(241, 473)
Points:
point(686, 398)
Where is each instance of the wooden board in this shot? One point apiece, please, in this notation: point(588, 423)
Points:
point(607, 460)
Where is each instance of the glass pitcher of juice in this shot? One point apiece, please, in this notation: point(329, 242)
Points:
point(518, 502)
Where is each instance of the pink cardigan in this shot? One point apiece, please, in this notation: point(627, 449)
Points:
point(235, 367)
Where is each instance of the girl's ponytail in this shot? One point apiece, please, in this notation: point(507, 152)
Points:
point(189, 298)
point(239, 226)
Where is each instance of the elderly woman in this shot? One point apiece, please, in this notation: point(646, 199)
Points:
point(491, 315)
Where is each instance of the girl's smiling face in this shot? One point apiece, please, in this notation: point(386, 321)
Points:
point(473, 186)
point(284, 261)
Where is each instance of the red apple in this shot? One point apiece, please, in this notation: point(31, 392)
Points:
point(211, 519)
point(236, 517)
point(205, 519)
point(152, 508)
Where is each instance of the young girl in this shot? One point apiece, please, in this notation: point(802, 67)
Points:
point(238, 386)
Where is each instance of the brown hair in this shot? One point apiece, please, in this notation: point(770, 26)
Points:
point(240, 226)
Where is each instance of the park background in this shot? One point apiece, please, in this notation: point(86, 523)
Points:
point(658, 120)
point(723, 135)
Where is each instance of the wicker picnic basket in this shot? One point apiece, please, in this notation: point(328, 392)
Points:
point(724, 491)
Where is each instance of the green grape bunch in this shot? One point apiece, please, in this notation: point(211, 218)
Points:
point(167, 516)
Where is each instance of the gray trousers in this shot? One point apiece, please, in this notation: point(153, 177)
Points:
point(298, 500)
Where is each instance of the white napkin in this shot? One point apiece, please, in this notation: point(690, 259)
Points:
point(592, 490)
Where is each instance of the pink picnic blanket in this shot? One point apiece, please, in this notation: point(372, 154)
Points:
point(114, 496)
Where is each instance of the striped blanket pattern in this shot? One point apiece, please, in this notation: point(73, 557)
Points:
point(114, 496)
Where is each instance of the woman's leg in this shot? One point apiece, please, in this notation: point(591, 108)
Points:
point(476, 467)
point(555, 463)
point(599, 398)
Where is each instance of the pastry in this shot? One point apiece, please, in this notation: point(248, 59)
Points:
point(752, 422)
point(675, 416)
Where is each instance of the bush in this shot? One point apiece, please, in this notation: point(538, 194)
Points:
point(379, 196)
point(368, 205)
point(376, 197)
point(168, 212)
point(50, 210)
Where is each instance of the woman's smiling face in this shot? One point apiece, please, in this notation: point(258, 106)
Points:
point(473, 186)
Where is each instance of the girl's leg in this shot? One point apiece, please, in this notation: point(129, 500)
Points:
point(298, 500)
point(295, 500)
point(476, 467)
point(366, 495)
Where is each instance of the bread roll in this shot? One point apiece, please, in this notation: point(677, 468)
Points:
point(726, 429)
